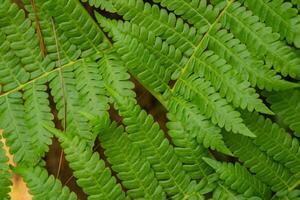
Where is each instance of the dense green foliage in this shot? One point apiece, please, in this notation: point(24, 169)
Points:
point(226, 71)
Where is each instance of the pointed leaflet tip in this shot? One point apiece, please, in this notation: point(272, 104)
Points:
point(265, 110)
point(225, 150)
point(54, 131)
point(211, 162)
point(297, 41)
point(245, 131)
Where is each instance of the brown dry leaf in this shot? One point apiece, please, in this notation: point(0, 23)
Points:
point(19, 190)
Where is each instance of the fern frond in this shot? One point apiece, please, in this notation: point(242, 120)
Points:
point(92, 175)
point(224, 193)
point(226, 81)
point(280, 15)
point(287, 109)
point(194, 124)
point(204, 187)
point(240, 179)
point(5, 175)
point(274, 141)
point(249, 68)
point(84, 92)
point(198, 12)
point(288, 195)
point(142, 64)
point(74, 121)
point(272, 173)
point(170, 57)
point(160, 62)
point(12, 112)
point(58, 49)
point(38, 114)
point(223, 44)
point(115, 74)
point(103, 4)
point(260, 39)
point(90, 86)
point(154, 146)
point(188, 150)
point(210, 103)
point(18, 56)
point(75, 25)
point(133, 170)
point(161, 23)
point(42, 186)
point(12, 73)
point(22, 38)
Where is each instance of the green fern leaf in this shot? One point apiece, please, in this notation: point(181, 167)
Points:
point(5, 176)
point(74, 121)
point(239, 179)
point(44, 187)
point(162, 24)
point(238, 56)
point(147, 135)
point(15, 130)
point(78, 79)
point(115, 74)
point(126, 159)
point(210, 103)
point(153, 73)
point(206, 62)
point(103, 4)
point(223, 44)
point(287, 109)
point(171, 58)
point(280, 15)
point(288, 195)
point(224, 193)
point(92, 175)
point(261, 40)
point(198, 12)
point(20, 60)
point(88, 37)
point(22, 38)
point(224, 80)
point(38, 113)
point(188, 150)
point(267, 170)
point(274, 141)
point(186, 117)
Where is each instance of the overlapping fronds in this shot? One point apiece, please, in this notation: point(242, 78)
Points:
point(23, 116)
point(126, 159)
point(274, 141)
point(186, 121)
point(147, 134)
point(238, 178)
point(20, 59)
point(287, 109)
point(190, 149)
point(272, 173)
point(42, 186)
point(92, 175)
point(103, 4)
point(225, 193)
point(279, 15)
point(210, 103)
point(260, 39)
point(210, 64)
